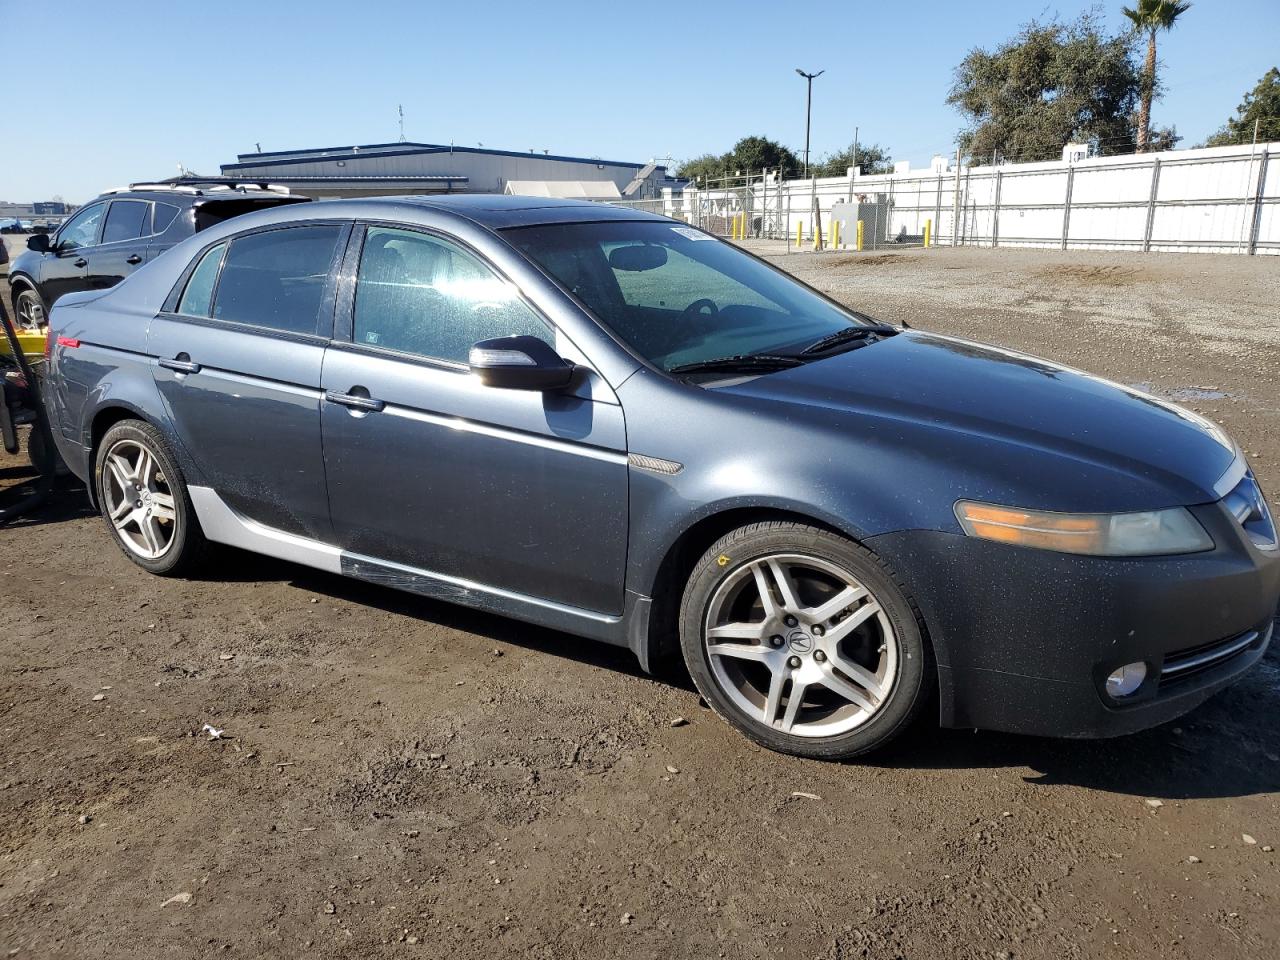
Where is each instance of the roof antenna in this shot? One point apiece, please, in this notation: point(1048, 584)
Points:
point(400, 107)
point(259, 146)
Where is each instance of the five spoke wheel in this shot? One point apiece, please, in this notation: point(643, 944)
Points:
point(801, 645)
point(138, 500)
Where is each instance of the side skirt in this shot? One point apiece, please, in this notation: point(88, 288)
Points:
point(222, 524)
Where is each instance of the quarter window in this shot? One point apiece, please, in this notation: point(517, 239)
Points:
point(165, 212)
point(82, 229)
point(423, 295)
point(199, 293)
point(277, 279)
point(124, 220)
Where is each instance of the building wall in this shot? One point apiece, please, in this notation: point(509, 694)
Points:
point(485, 172)
point(1219, 199)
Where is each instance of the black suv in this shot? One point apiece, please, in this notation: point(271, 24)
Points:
point(110, 237)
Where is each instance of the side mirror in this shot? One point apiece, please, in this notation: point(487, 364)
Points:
point(39, 242)
point(519, 363)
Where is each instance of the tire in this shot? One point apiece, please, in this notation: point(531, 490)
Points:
point(29, 311)
point(837, 626)
point(155, 526)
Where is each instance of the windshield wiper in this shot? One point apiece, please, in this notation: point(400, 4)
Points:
point(847, 335)
point(749, 363)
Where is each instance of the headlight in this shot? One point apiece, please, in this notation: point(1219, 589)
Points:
point(1152, 533)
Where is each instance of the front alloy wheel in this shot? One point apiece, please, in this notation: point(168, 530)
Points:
point(804, 641)
point(30, 312)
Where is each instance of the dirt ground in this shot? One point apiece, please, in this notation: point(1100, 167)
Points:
point(403, 778)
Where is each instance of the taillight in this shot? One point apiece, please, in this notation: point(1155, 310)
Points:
point(68, 342)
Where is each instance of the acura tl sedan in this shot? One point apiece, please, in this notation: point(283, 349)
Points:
point(617, 426)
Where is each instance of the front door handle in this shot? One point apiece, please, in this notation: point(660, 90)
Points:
point(133, 259)
point(355, 402)
point(180, 366)
point(82, 262)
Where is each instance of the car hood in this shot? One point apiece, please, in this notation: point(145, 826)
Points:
point(1041, 424)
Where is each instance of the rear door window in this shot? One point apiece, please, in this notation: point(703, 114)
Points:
point(125, 219)
point(277, 279)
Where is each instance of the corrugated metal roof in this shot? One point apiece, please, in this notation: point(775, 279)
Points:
point(565, 189)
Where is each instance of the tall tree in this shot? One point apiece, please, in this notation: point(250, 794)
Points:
point(1150, 17)
point(1052, 84)
point(749, 155)
point(1259, 110)
point(871, 157)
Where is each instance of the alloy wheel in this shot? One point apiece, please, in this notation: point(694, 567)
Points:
point(800, 645)
point(138, 499)
point(30, 312)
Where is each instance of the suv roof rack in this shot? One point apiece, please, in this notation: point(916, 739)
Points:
point(199, 186)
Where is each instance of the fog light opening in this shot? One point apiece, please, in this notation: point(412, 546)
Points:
point(1125, 681)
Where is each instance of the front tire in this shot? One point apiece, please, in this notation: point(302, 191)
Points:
point(144, 500)
point(804, 641)
point(29, 309)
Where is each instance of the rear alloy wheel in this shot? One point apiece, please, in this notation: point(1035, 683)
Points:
point(144, 500)
point(30, 312)
point(803, 641)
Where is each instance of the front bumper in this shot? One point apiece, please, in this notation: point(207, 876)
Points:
point(1025, 638)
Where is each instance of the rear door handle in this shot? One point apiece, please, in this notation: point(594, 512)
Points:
point(133, 259)
point(82, 262)
point(354, 402)
point(181, 366)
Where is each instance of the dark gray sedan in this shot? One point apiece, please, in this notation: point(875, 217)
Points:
point(615, 425)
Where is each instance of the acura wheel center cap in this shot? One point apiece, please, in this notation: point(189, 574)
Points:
point(799, 641)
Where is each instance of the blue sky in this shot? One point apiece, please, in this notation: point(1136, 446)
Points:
point(126, 96)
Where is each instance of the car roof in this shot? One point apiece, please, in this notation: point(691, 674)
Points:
point(498, 211)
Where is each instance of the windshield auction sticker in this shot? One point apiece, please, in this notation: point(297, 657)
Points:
point(691, 233)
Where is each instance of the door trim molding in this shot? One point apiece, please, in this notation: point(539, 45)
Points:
point(222, 524)
point(501, 433)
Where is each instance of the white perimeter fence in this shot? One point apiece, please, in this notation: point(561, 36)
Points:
point(1212, 200)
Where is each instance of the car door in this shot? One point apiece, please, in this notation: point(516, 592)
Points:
point(238, 355)
point(64, 269)
point(511, 490)
point(122, 247)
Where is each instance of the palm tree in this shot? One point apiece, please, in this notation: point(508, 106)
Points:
point(1150, 17)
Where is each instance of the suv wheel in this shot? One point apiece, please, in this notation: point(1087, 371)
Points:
point(144, 500)
point(29, 308)
point(804, 641)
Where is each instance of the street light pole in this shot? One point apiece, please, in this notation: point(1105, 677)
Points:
point(808, 113)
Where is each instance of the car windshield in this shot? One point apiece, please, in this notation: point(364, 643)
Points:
point(678, 296)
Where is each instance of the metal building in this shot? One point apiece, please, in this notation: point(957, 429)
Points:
point(408, 168)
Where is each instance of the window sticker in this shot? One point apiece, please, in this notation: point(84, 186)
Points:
point(691, 233)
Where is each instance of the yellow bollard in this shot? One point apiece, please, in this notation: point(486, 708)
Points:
point(859, 234)
point(733, 228)
point(835, 234)
point(799, 234)
point(928, 232)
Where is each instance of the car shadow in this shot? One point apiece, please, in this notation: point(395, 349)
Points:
point(66, 499)
point(240, 566)
point(1228, 747)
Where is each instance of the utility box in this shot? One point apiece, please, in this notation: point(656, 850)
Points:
point(872, 209)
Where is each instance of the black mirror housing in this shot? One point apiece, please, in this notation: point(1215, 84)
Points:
point(520, 363)
point(39, 242)
point(638, 257)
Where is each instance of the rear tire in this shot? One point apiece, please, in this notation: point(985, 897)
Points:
point(804, 641)
point(144, 501)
